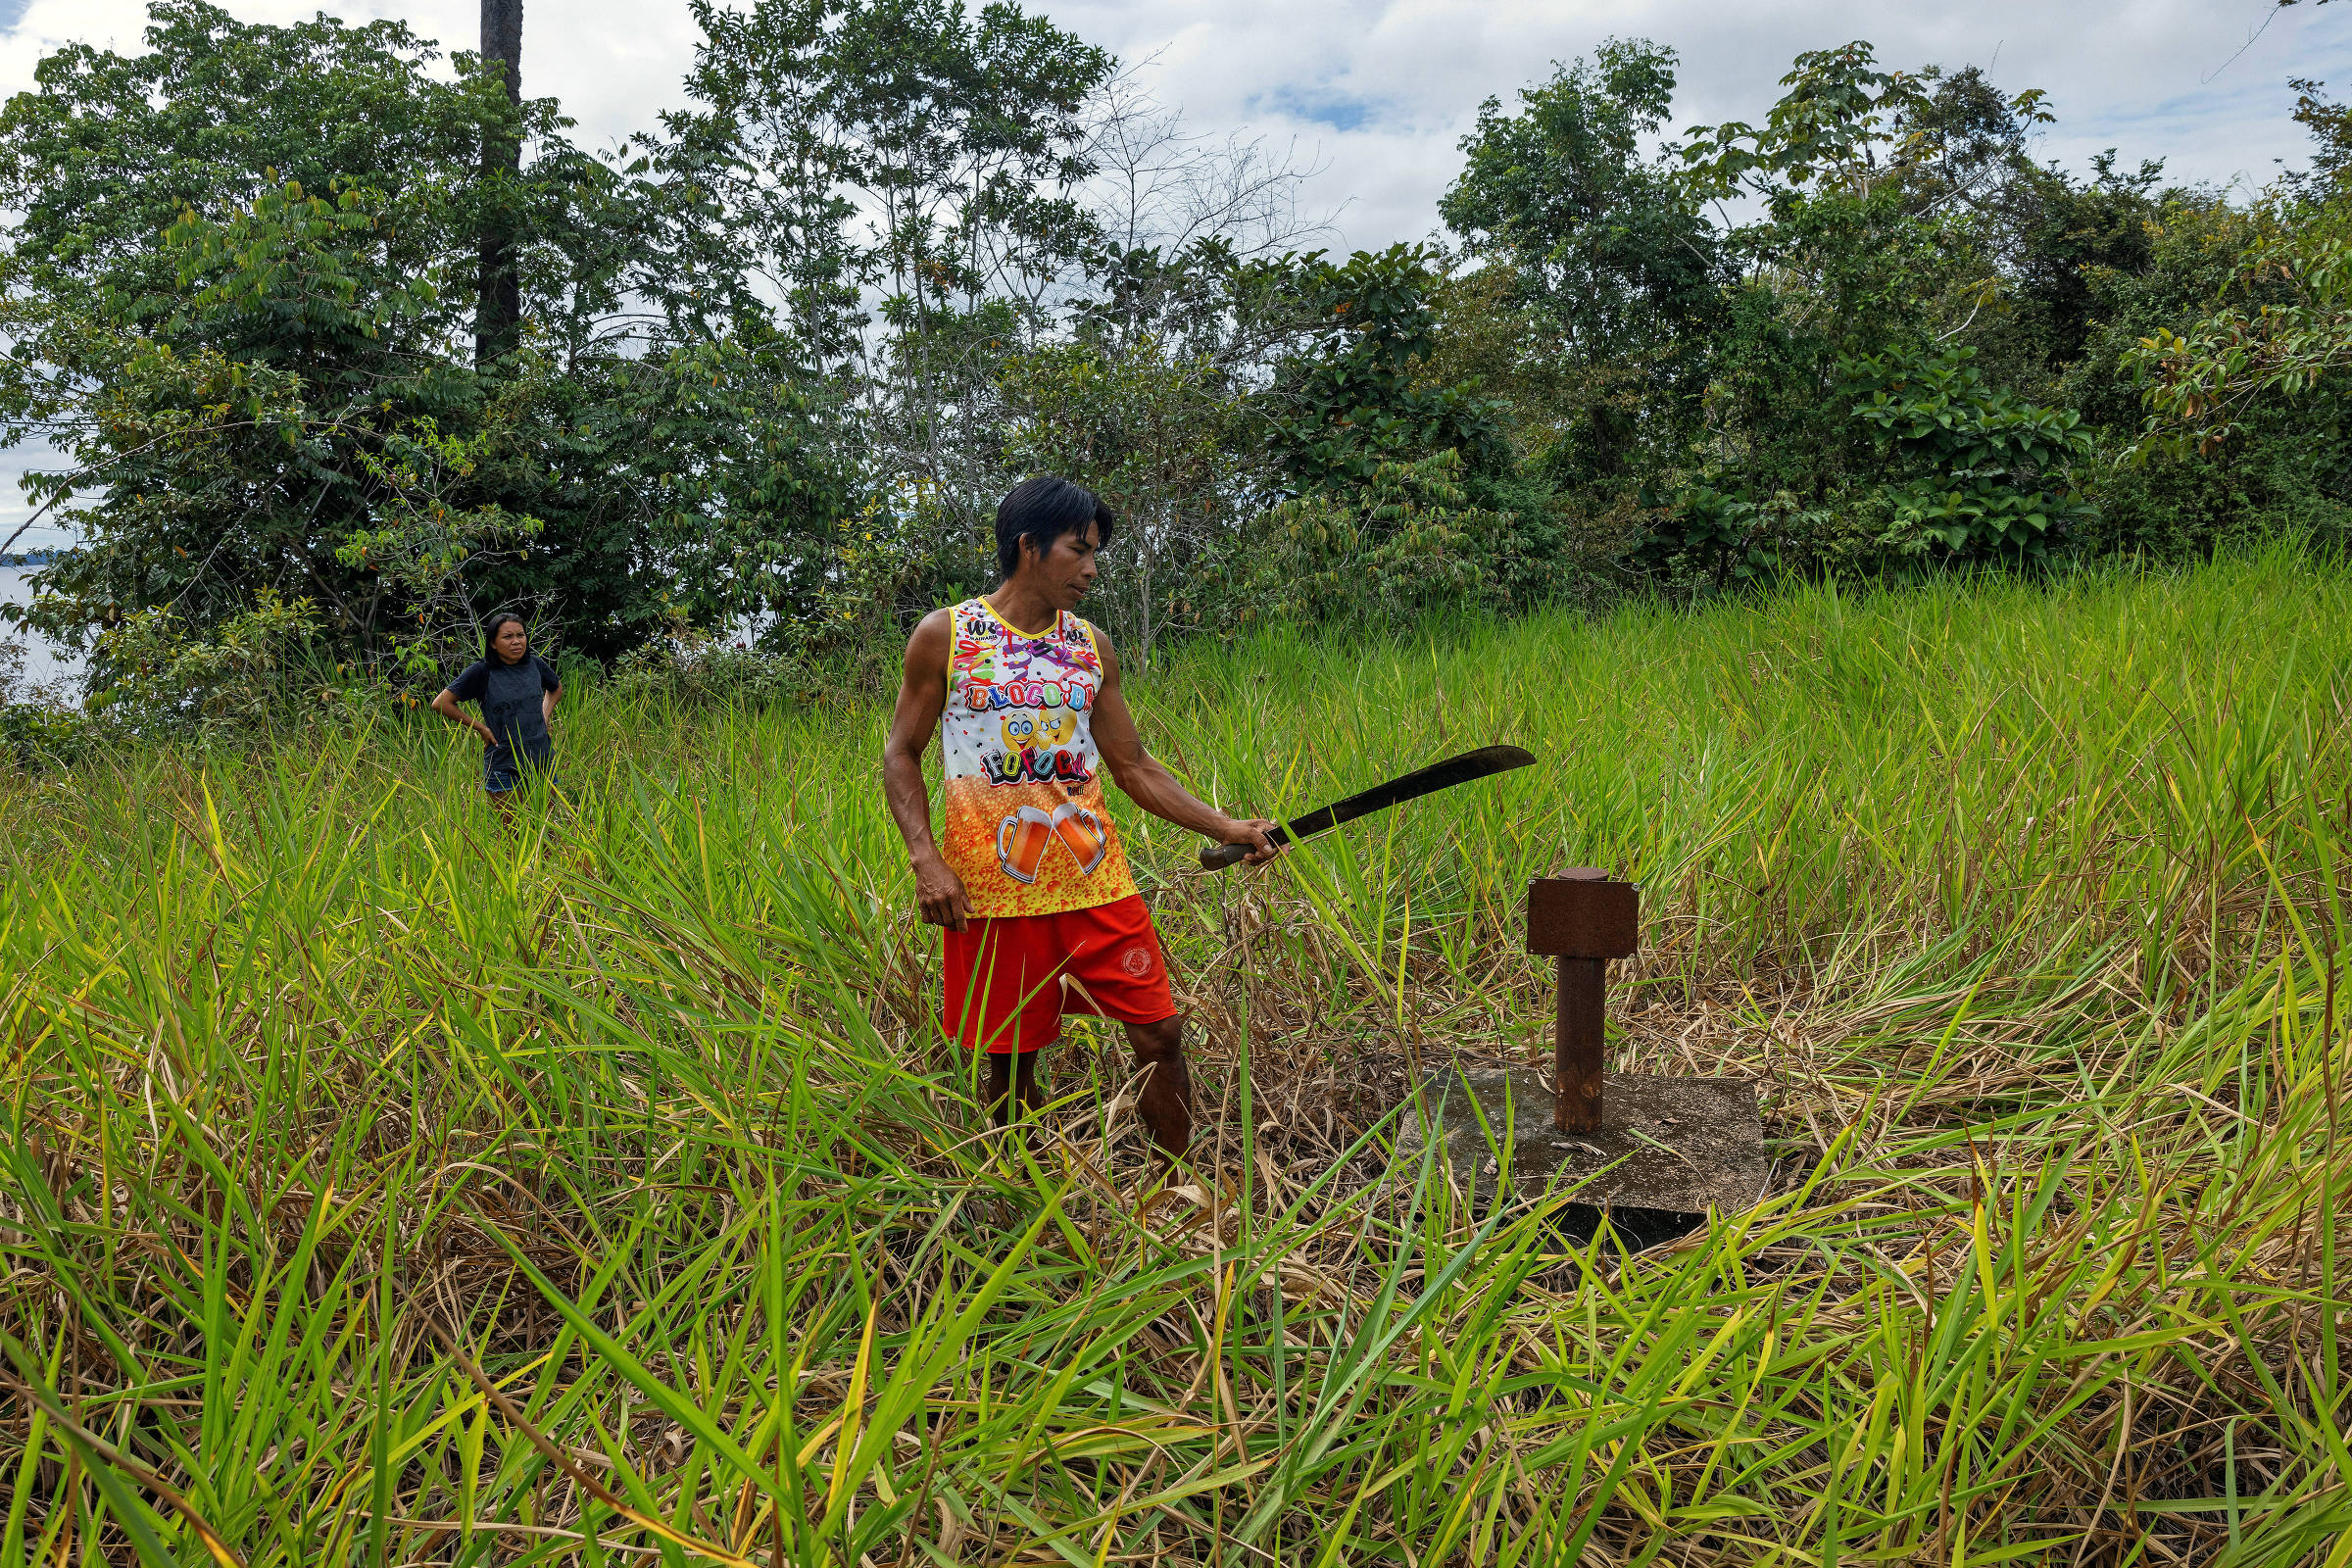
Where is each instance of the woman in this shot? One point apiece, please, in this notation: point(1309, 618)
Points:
point(517, 692)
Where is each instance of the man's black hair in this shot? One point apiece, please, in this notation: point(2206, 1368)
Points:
point(490, 631)
point(1041, 511)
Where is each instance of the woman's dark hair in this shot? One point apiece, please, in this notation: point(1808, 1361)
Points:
point(1041, 511)
point(490, 654)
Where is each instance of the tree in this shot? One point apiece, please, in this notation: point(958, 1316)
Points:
point(498, 321)
point(2204, 383)
point(1153, 434)
point(1974, 470)
point(1175, 215)
point(238, 428)
point(1352, 393)
point(899, 145)
point(263, 372)
point(1157, 186)
point(108, 150)
point(1865, 244)
point(916, 161)
point(2330, 127)
point(1607, 244)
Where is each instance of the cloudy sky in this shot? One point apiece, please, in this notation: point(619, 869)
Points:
point(1377, 92)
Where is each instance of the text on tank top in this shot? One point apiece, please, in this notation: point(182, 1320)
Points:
point(1026, 829)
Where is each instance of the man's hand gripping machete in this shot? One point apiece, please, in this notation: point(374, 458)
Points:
point(1486, 761)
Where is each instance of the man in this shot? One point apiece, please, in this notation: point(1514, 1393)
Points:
point(1029, 878)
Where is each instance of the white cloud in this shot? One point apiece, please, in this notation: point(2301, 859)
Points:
point(2150, 77)
point(1385, 88)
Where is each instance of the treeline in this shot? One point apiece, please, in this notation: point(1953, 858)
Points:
point(780, 352)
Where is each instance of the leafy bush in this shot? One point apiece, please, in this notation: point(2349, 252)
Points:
point(423, 544)
point(1153, 433)
point(2287, 474)
point(2202, 383)
point(1358, 396)
point(687, 666)
point(1405, 543)
point(1724, 539)
point(38, 728)
point(1981, 473)
point(162, 677)
point(1965, 471)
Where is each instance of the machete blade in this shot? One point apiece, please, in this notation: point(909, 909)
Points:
point(1486, 761)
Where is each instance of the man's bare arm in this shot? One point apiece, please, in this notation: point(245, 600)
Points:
point(922, 698)
point(1147, 782)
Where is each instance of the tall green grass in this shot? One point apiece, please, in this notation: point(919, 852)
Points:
point(383, 1186)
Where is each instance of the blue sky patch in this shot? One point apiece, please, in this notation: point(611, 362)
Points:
point(1323, 106)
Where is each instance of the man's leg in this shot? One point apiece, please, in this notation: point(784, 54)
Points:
point(1167, 1103)
point(1025, 1085)
point(1011, 1075)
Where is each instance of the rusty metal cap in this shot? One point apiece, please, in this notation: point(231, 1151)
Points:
point(1584, 914)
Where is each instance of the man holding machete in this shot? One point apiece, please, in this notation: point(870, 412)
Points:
point(1028, 877)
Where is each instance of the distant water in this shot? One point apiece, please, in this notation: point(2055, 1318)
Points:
point(43, 661)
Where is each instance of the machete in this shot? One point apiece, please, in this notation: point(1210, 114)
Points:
point(1436, 776)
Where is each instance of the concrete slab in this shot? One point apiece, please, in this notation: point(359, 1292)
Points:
point(1668, 1150)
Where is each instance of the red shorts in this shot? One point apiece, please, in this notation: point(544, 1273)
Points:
point(1005, 990)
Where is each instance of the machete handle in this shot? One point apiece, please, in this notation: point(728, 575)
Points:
point(1217, 856)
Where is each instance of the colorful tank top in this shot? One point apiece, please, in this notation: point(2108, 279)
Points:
point(1026, 830)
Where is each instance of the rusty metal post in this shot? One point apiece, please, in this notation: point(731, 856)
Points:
point(1577, 1048)
point(1583, 919)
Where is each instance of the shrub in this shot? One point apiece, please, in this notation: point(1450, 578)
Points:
point(1979, 472)
point(1405, 543)
point(247, 674)
point(38, 728)
point(1723, 540)
point(687, 666)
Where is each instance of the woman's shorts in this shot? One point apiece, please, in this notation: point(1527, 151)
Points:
point(503, 768)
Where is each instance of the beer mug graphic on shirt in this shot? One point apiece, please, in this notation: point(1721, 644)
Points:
point(1022, 841)
point(1082, 831)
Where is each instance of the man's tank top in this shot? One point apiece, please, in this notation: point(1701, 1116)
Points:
point(1026, 830)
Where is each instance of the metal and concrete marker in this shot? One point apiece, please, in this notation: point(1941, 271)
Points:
point(1583, 919)
point(1655, 1152)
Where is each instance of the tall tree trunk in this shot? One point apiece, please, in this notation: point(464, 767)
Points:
point(498, 318)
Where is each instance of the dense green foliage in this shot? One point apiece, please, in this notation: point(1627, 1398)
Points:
point(393, 1188)
point(782, 351)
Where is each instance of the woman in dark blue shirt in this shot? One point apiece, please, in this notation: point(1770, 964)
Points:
point(517, 691)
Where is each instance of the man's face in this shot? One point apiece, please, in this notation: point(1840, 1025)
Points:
point(1066, 570)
